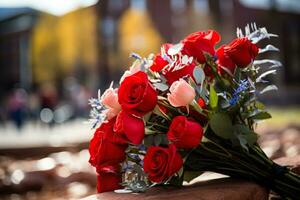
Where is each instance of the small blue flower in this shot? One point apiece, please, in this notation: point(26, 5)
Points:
point(233, 101)
point(134, 156)
point(142, 147)
point(243, 85)
point(142, 162)
point(136, 56)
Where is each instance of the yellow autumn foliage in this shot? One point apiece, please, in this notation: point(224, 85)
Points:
point(60, 44)
point(137, 34)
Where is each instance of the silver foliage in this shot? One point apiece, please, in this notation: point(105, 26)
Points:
point(269, 88)
point(269, 47)
point(260, 78)
point(275, 63)
point(254, 34)
point(97, 116)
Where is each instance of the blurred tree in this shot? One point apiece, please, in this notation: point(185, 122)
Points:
point(137, 34)
point(65, 46)
point(45, 49)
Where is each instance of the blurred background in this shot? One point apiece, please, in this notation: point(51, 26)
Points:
point(54, 55)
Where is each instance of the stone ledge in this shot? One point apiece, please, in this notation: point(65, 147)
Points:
point(219, 189)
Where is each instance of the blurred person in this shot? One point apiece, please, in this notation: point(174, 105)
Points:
point(78, 95)
point(17, 102)
point(80, 99)
point(34, 105)
point(48, 100)
point(2, 114)
point(48, 96)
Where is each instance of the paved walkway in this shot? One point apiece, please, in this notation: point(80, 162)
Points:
point(37, 134)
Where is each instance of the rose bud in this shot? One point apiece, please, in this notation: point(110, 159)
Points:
point(241, 51)
point(136, 95)
point(181, 93)
point(161, 163)
point(197, 43)
point(184, 133)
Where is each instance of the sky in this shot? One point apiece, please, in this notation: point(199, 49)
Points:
point(282, 5)
point(56, 7)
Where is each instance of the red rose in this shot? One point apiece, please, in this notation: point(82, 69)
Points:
point(159, 62)
point(224, 61)
point(109, 178)
point(107, 146)
point(197, 43)
point(162, 163)
point(131, 126)
point(241, 51)
point(173, 76)
point(184, 133)
point(202, 103)
point(136, 95)
point(208, 71)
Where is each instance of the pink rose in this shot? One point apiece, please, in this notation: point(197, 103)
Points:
point(111, 113)
point(126, 74)
point(110, 99)
point(133, 69)
point(181, 93)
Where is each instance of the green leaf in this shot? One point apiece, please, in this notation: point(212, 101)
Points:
point(241, 129)
point(190, 175)
point(158, 112)
point(157, 140)
point(259, 105)
point(244, 132)
point(213, 97)
point(243, 142)
point(251, 138)
point(198, 75)
point(161, 86)
point(237, 74)
point(149, 131)
point(221, 124)
point(180, 172)
point(148, 140)
point(147, 116)
point(160, 139)
point(198, 88)
point(261, 115)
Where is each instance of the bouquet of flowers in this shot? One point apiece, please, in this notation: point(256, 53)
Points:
point(188, 109)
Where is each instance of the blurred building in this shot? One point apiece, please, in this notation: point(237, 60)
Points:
point(16, 26)
point(93, 44)
point(171, 20)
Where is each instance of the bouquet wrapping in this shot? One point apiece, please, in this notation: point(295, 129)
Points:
point(188, 109)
